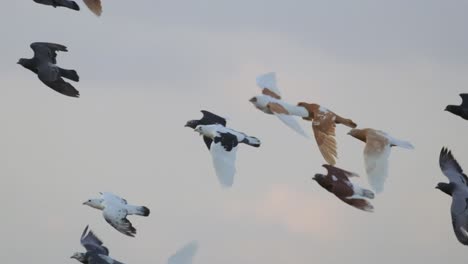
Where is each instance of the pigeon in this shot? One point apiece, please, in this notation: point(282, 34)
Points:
point(337, 182)
point(93, 5)
point(223, 149)
point(460, 110)
point(115, 211)
point(458, 189)
point(376, 154)
point(184, 255)
point(207, 119)
point(44, 65)
point(96, 253)
point(63, 3)
point(270, 103)
point(323, 124)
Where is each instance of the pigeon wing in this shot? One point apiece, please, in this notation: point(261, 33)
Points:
point(267, 82)
point(211, 119)
point(112, 198)
point(361, 204)
point(451, 168)
point(223, 154)
point(61, 86)
point(184, 255)
point(94, 5)
point(116, 217)
point(45, 51)
point(108, 260)
point(464, 100)
point(376, 153)
point(279, 111)
point(323, 126)
point(97, 259)
point(92, 243)
point(339, 173)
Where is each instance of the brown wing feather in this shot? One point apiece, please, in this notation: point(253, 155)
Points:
point(277, 108)
point(324, 132)
point(269, 92)
point(95, 6)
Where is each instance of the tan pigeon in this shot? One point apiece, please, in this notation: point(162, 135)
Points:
point(323, 124)
point(376, 153)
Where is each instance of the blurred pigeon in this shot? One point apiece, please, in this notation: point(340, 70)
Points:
point(44, 65)
point(224, 148)
point(55, 3)
point(323, 124)
point(115, 211)
point(376, 154)
point(95, 6)
point(458, 189)
point(270, 103)
point(337, 182)
point(184, 255)
point(96, 253)
point(207, 119)
point(460, 110)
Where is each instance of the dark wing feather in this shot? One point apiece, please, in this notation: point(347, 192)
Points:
point(208, 142)
point(211, 119)
point(464, 100)
point(47, 51)
point(339, 173)
point(92, 243)
point(228, 141)
point(62, 87)
point(451, 168)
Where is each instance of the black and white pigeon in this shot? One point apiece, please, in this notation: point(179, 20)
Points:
point(207, 119)
point(115, 210)
point(96, 253)
point(44, 65)
point(223, 149)
point(93, 5)
point(458, 189)
point(184, 255)
point(460, 110)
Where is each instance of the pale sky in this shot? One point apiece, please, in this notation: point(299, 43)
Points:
point(147, 68)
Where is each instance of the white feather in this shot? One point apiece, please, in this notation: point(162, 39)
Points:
point(292, 123)
point(376, 163)
point(268, 81)
point(224, 163)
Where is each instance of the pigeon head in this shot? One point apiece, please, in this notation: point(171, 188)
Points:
point(81, 257)
point(192, 123)
point(358, 133)
point(95, 203)
point(199, 129)
point(317, 177)
point(24, 62)
point(445, 187)
point(322, 181)
point(454, 109)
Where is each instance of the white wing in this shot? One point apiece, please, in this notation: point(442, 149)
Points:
point(184, 255)
point(116, 217)
point(224, 163)
point(268, 81)
point(112, 198)
point(376, 155)
point(291, 122)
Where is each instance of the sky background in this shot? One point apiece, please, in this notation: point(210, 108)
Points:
point(148, 67)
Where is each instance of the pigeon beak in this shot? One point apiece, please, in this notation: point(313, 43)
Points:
point(253, 100)
point(85, 203)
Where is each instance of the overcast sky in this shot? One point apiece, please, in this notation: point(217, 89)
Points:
point(148, 66)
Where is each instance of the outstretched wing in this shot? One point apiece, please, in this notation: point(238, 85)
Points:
point(339, 173)
point(358, 203)
point(184, 255)
point(58, 85)
point(323, 126)
point(451, 168)
point(211, 119)
point(116, 217)
point(464, 100)
point(223, 153)
point(376, 155)
point(112, 198)
point(47, 51)
point(92, 243)
point(267, 82)
point(279, 111)
point(95, 6)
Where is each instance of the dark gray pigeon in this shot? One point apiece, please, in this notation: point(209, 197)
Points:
point(458, 189)
point(184, 255)
point(96, 253)
point(64, 3)
point(44, 65)
point(460, 110)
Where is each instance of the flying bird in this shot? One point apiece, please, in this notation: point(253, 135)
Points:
point(184, 255)
point(460, 110)
point(115, 211)
point(270, 102)
point(44, 65)
point(323, 124)
point(96, 253)
point(337, 182)
point(223, 149)
point(207, 119)
point(93, 5)
point(376, 154)
point(458, 189)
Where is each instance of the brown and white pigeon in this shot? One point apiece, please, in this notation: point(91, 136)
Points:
point(376, 154)
point(270, 102)
point(337, 182)
point(323, 124)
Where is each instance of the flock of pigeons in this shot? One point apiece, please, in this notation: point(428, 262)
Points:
point(222, 142)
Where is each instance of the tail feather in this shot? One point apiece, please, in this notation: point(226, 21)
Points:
point(368, 194)
point(69, 74)
point(252, 141)
point(138, 210)
point(361, 204)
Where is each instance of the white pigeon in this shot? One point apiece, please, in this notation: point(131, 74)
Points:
point(223, 149)
point(270, 103)
point(184, 255)
point(115, 210)
point(376, 154)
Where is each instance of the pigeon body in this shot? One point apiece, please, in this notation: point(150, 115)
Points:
point(44, 65)
point(63, 3)
point(223, 149)
point(337, 182)
point(376, 154)
point(184, 255)
point(115, 211)
point(96, 253)
point(458, 189)
point(207, 119)
point(460, 110)
point(323, 124)
point(270, 103)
